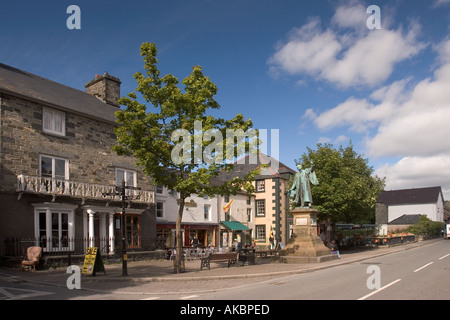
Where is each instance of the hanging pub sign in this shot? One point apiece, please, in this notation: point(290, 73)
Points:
point(92, 262)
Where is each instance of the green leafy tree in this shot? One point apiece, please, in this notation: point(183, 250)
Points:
point(347, 189)
point(168, 143)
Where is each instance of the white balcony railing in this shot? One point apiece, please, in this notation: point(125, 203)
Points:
point(55, 187)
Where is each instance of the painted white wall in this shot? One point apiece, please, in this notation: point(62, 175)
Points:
point(397, 211)
point(169, 200)
point(197, 214)
point(192, 214)
point(434, 211)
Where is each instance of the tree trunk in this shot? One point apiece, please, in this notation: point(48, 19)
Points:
point(179, 241)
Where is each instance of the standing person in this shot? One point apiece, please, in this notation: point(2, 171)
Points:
point(238, 243)
point(194, 242)
point(272, 241)
point(323, 238)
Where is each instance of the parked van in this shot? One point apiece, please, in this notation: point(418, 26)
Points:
point(447, 231)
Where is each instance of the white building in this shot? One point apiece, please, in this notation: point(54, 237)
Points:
point(395, 204)
point(239, 219)
point(205, 218)
point(200, 218)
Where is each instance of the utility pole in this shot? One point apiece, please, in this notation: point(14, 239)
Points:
point(121, 191)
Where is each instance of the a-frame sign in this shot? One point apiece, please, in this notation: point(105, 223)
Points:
point(92, 262)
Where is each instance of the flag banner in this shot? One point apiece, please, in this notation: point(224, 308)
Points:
point(227, 206)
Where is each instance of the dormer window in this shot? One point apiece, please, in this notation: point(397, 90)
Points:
point(54, 122)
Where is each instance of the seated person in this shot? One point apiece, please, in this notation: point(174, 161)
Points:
point(334, 248)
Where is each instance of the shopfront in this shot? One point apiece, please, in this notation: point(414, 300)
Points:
point(229, 231)
point(206, 234)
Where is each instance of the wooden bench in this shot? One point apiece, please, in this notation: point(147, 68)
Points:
point(229, 257)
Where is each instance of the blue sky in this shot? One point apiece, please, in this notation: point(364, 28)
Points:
point(311, 69)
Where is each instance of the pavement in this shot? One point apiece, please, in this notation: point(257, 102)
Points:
point(157, 276)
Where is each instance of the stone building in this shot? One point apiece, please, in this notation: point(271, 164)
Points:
point(56, 165)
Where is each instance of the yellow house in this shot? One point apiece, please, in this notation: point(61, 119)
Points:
point(271, 211)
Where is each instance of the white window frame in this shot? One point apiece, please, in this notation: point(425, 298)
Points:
point(249, 215)
point(49, 209)
point(258, 214)
point(159, 189)
point(49, 122)
point(261, 233)
point(160, 210)
point(126, 172)
point(207, 212)
point(260, 185)
point(66, 166)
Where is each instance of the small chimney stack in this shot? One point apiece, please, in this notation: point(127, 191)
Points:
point(105, 87)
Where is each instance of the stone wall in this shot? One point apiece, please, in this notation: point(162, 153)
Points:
point(105, 87)
point(86, 145)
point(381, 213)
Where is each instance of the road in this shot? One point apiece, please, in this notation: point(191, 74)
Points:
point(420, 273)
point(417, 273)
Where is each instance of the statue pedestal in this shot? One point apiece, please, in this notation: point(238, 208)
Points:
point(305, 246)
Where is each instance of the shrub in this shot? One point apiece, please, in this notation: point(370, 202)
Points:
point(426, 227)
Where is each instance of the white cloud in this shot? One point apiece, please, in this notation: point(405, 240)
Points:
point(352, 113)
point(407, 119)
point(417, 172)
point(360, 114)
point(352, 15)
point(438, 3)
point(308, 50)
point(419, 125)
point(346, 58)
point(410, 121)
point(341, 139)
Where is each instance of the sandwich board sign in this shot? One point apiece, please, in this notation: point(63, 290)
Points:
point(92, 262)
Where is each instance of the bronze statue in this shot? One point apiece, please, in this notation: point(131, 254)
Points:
point(301, 188)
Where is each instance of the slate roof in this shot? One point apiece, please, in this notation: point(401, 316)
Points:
point(242, 169)
point(406, 219)
point(410, 196)
point(52, 94)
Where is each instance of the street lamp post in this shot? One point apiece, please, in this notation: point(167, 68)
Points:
point(121, 191)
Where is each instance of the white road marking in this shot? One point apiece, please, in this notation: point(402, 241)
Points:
point(448, 254)
point(189, 297)
point(423, 267)
point(9, 293)
point(378, 290)
point(151, 298)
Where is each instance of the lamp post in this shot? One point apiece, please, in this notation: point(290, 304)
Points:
point(121, 191)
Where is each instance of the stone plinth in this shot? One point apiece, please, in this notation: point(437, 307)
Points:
point(305, 246)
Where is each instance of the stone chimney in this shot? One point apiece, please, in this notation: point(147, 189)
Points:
point(105, 87)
